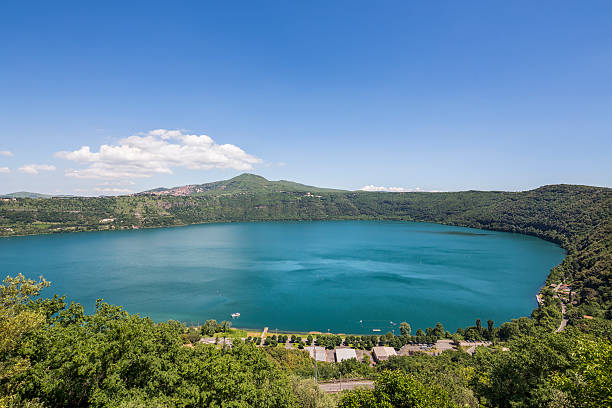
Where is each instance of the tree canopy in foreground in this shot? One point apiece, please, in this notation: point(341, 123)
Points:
point(54, 355)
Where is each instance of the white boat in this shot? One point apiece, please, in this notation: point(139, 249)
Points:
point(235, 315)
point(375, 330)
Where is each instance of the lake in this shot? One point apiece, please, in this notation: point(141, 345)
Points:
point(342, 276)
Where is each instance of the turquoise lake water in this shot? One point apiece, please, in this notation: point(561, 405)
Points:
point(342, 276)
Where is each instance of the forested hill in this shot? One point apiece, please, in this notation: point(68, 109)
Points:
point(244, 183)
point(559, 213)
point(576, 217)
point(25, 194)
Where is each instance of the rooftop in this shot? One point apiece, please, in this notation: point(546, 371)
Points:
point(345, 354)
point(382, 352)
point(320, 356)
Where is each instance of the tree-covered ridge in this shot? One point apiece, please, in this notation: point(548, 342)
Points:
point(25, 194)
point(558, 213)
point(52, 354)
point(244, 183)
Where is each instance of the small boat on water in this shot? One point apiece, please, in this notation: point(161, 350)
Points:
point(235, 315)
point(375, 330)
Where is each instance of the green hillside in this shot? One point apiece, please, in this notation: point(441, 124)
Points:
point(244, 183)
point(25, 194)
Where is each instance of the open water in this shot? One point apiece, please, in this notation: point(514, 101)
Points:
point(341, 276)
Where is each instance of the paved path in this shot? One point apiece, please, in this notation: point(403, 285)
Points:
point(334, 387)
point(563, 308)
point(563, 320)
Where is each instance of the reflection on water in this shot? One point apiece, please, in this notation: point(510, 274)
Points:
point(296, 275)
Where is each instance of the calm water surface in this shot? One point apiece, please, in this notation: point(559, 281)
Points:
point(345, 276)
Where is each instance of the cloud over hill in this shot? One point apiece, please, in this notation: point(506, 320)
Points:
point(156, 152)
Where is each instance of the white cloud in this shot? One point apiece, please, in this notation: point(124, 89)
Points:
point(102, 191)
point(6, 153)
point(156, 152)
point(372, 187)
point(36, 168)
point(117, 183)
point(5, 170)
point(112, 190)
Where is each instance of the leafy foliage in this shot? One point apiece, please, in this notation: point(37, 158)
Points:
point(112, 358)
point(588, 383)
point(448, 371)
point(16, 322)
point(396, 389)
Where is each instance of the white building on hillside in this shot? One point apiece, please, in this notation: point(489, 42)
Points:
point(345, 354)
point(383, 353)
point(316, 352)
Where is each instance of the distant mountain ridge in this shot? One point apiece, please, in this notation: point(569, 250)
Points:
point(25, 194)
point(244, 183)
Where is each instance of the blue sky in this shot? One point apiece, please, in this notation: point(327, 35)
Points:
point(444, 96)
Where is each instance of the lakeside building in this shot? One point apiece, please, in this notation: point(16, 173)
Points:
point(383, 353)
point(320, 352)
point(345, 354)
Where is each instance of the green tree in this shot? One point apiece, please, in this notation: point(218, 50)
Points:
point(472, 333)
point(405, 329)
point(450, 371)
point(521, 376)
point(210, 328)
point(17, 320)
point(225, 326)
point(192, 336)
point(438, 331)
point(396, 389)
point(309, 395)
point(517, 327)
point(588, 383)
point(114, 359)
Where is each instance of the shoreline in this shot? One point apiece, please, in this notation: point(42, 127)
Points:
point(307, 332)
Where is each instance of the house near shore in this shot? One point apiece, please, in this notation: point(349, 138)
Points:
point(345, 354)
point(316, 352)
point(383, 353)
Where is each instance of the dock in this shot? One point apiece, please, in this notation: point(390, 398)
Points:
point(263, 334)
